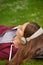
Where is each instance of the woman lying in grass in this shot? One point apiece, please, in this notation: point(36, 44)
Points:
point(29, 43)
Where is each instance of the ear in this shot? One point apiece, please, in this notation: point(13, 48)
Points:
point(23, 40)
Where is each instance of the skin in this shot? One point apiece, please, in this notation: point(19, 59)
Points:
point(19, 34)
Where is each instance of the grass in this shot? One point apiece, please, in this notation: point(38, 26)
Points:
point(15, 12)
point(34, 62)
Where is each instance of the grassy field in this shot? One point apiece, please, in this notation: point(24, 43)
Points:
point(15, 12)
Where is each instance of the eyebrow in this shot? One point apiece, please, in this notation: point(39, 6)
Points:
point(14, 36)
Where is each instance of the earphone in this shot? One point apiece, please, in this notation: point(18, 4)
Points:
point(36, 34)
point(23, 40)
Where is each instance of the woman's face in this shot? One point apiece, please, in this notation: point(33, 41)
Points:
point(19, 34)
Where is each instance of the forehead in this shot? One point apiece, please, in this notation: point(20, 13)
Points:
point(24, 25)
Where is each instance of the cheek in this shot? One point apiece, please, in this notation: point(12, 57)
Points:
point(16, 42)
point(19, 33)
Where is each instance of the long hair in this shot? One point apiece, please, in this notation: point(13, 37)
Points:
point(27, 51)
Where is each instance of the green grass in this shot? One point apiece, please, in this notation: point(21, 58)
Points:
point(15, 12)
point(3, 62)
point(34, 62)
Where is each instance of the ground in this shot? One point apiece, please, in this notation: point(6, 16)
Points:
point(15, 12)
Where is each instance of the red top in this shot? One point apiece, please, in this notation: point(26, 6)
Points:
point(5, 47)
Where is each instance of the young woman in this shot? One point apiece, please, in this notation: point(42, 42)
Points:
point(28, 41)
